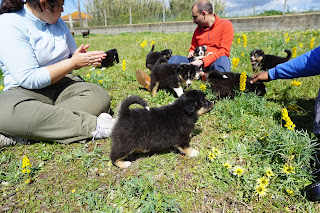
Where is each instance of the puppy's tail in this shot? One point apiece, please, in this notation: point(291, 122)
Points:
point(124, 108)
point(216, 74)
point(289, 54)
point(152, 48)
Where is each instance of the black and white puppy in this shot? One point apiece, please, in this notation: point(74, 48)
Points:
point(143, 129)
point(225, 84)
point(152, 57)
point(261, 61)
point(173, 76)
point(112, 56)
point(200, 52)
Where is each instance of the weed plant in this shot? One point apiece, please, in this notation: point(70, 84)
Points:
point(248, 162)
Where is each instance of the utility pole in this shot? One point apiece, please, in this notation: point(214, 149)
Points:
point(80, 19)
point(284, 8)
point(130, 13)
point(163, 11)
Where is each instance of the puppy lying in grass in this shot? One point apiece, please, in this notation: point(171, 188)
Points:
point(155, 129)
point(226, 83)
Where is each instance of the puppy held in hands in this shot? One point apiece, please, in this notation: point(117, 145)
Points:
point(155, 129)
point(153, 57)
point(224, 84)
point(112, 56)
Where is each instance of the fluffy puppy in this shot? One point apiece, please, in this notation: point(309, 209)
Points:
point(225, 83)
point(173, 76)
point(152, 57)
point(156, 129)
point(112, 56)
point(261, 61)
point(200, 52)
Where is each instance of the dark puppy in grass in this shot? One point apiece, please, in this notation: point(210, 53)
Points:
point(152, 57)
point(226, 83)
point(263, 62)
point(112, 56)
point(172, 76)
point(143, 129)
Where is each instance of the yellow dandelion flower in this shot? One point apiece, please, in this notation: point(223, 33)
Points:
point(238, 41)
point(212, 156)
point(153, 42)
point(98, 72)
point(263, 181)
point(24, 170)
point(73, 190)
point(288, 169)
point(144, 44)
point(227, 165)
point(243, 80)
point(261, 191)
point(295, 83)
point(300, 45)
point(294, 52)
point(216, 151)
point(1, 87)
point(88, 75)
point(28, 181)
point(286, 35)
point(242, 54)
point(269, 172)
point(203, 87)
point(100, 81)
point(238, 171)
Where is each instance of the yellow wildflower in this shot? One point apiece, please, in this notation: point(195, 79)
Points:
point(311, 43)
point(88, 75)
point(261, 190)
point(203, 87)
point(242, 54)
point(227, 165)
point(215, 151)
point(1, 87)
point(295, 83)
point(243, 80)
point(287, 40)
point(144, 44)
point(263, 181)
point(235, 62)
point(237, 171)
point(244, 40)
point(153, 42)
point(26, 165)
point(73, 190)
point(286, 35)
point(212, 155)
point(288, 169)
point(290, 192)
point(294, 52)
point(238, 41)
point(269, 172)
point(100, 81)
point(289, 124)
point(300, 45)
point(124, 65)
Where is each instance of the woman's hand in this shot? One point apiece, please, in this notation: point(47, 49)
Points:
point(82, 57)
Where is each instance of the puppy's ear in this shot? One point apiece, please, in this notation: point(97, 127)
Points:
point(190, 107)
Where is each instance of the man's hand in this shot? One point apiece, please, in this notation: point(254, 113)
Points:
point(199, 63)
point(262, 76)
point(191, 54)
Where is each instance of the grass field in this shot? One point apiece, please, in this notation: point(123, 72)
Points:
point(248, 160)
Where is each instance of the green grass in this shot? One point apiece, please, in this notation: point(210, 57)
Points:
point(248, 132)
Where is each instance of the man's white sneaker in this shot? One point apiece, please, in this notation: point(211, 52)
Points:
point(105, 123)
point(11, 141)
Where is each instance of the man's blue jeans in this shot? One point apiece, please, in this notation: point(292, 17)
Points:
point(222, 64)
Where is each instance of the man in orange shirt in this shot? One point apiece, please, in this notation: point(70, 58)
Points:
point(212, 31)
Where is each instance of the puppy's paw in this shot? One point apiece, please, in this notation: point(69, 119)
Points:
point(122, 164)
point(194, 153)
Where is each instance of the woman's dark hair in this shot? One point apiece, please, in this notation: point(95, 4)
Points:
point(8, 6)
